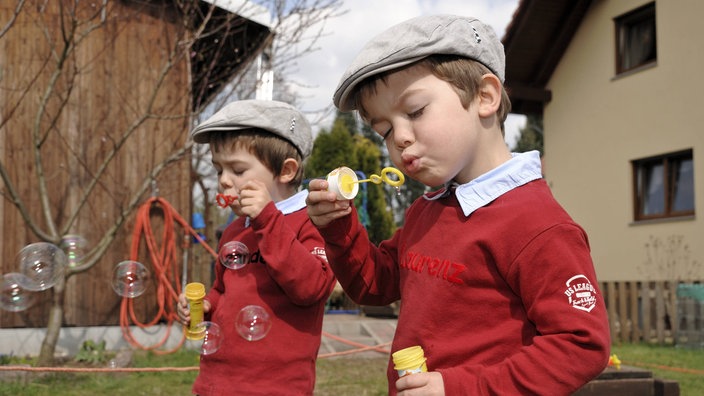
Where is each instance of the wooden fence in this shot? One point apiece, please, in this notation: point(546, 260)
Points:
point(655, 312)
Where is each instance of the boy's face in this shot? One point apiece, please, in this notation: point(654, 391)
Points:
point(430, 136)
point(235, 166)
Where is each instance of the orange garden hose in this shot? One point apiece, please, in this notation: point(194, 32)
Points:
point(166, 272)
point(164, 268)
point(360, 347)
point(666, 368)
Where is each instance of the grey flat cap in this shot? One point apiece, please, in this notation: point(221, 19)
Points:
point(279, 118)
point(419, 38)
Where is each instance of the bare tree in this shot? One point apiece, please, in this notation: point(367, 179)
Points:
point(97, 109)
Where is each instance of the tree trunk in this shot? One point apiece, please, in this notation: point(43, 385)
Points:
point(46, 354)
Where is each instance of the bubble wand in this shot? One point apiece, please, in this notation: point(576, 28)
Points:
point(224, 200)
point(344, 182)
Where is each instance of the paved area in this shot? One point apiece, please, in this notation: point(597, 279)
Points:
point(353, 335)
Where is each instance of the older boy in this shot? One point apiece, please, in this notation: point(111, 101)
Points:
point(495, 279)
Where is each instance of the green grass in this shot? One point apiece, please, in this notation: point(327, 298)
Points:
point(339, 377)
point(364, 377)
point(351, 377)
point(672, 360)
point(79, 384)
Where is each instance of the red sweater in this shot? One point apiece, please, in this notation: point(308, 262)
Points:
point(288, 276)
point(504, 301)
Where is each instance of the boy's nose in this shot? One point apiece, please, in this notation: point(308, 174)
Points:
point(226, 180)
point(403, 136)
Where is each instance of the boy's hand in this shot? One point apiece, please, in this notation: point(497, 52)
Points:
point(323, 206)
point(421, 384)
point(253, 198)
point(184, 314)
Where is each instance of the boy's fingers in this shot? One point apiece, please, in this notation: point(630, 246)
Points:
point(318, 185)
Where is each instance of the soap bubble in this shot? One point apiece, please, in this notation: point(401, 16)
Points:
point(14, 297)
point(253, 323)
point(42, 265)
point(74, 246)
point(130, 279)
point(212, 337)
point(234, 255)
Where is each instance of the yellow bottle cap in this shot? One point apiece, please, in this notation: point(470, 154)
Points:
point(411, 358)
point(194, 291)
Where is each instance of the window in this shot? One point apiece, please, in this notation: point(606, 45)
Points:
point(664, 186)
point(636, 39)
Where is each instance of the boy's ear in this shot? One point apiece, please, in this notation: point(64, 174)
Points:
point(489, 95)
point(288, 170)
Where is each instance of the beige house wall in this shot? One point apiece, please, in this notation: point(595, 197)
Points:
point(597, 123)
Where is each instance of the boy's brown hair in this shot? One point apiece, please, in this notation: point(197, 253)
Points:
point(462, 73)
point(270, 149)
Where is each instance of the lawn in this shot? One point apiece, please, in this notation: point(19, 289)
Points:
point(339, 377)
point(686, 366)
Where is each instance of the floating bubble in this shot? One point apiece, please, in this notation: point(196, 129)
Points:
point(234, 255)
point(130, 279)
point(14, 297)
point(212, 337)
point(253, 323)
point(42, 265)
point(74, 246)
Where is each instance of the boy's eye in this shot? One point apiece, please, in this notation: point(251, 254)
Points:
point(416, 113)
point(387, 133)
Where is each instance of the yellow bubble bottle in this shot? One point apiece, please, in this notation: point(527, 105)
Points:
point(409, 361)
point(195, 292)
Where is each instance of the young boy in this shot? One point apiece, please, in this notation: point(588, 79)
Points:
point(495, 279)
point(258, 149)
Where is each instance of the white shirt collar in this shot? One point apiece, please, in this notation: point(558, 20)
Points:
point(293, 203)
point(519, 170)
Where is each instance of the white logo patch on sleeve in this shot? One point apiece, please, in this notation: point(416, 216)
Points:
point(580, 293)
point(320, 252)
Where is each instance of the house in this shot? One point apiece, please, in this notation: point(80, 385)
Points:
point(617, 83)
point(105, 93)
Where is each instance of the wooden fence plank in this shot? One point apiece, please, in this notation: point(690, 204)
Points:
point(645, 298)
point(634, 311)
point(611, 308)
point(660, 311)
point(623, 310)
point(671, 307)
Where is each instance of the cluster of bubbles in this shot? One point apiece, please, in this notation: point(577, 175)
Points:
point(253, 323)
point(41, 266)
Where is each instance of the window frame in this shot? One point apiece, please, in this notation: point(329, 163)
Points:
point(670, 163)
point(626, 23)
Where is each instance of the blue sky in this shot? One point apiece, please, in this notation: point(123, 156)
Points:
point(319, 72)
